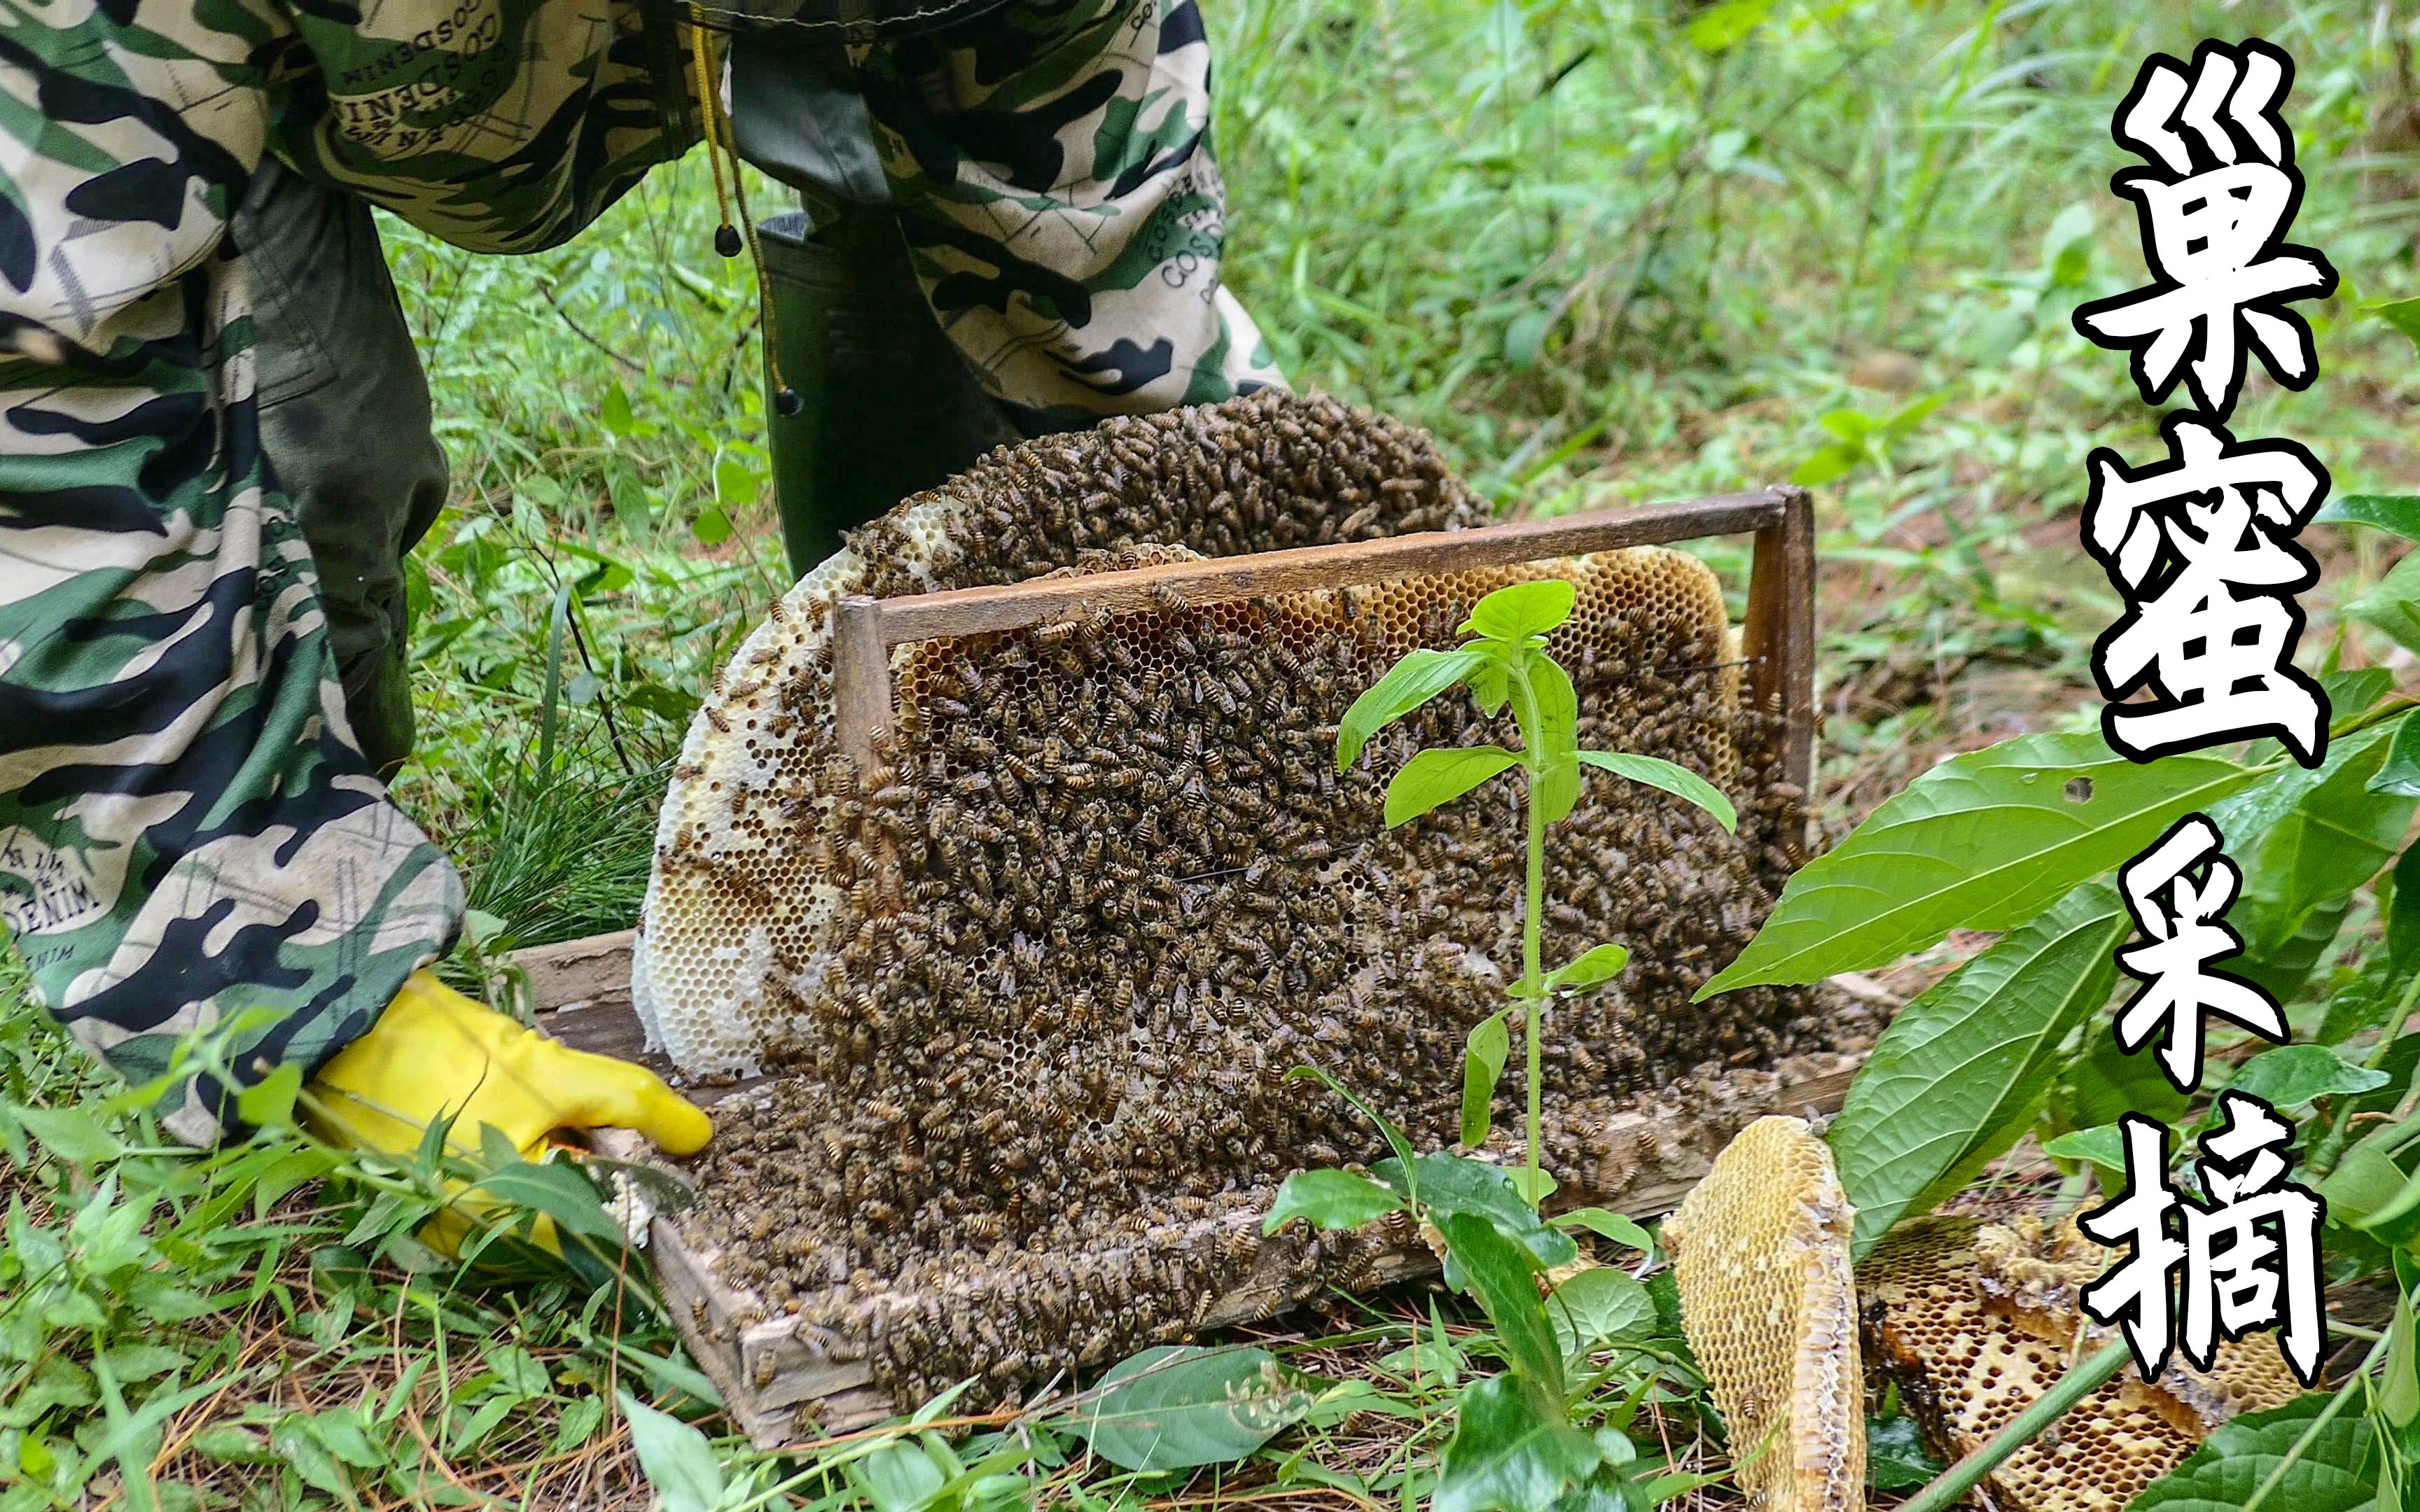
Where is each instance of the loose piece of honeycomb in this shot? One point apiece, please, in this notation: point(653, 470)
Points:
point(1761, 1250)
point(1033, 987)
point(1978, 1321)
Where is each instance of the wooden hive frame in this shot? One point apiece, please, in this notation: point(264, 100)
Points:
point(1778, 637)
point(765, 1372)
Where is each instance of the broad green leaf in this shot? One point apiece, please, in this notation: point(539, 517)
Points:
point(557, 1189)
point(1895, 1458)
point(1534, 1187)
point(1183, 1405)
point(1556, 791)
point(141, 1362)
point(1421, 676)
point(2102, 1146)
point(1328, 1200)
point(1958, 1075)
point(899, 1477)
point(2281, 970)
point(1606, 1223)
point(1676, 779)
point(318, 1469)
point(2108, 1083)
point(2354, 691)
point(1491, 687)
point(1599, 1306)
point(679, 1463)
point(2397, 511)
point(2399, 1384)
point(1523, 609)
point(1502, 1276)
point(1558, 706)
point(1600, 964)
point(1603, 1491)
point(1513, 1450)
point(2394, 605)
point(2337, 834)
point(1483, 1063)
point(481, 1423)
point(2403, 314)
point(71, 1134)
point(1985, 841)
point(230, 1445)
point(2335, 1474)
point(735, 482)
point(614, 412)
point(2269, 801)
point(2364, 1182)
point(2400, 1063)
point(2374, 1189)
point(1433, 778)
point(270, 1102)
point(2401, 772)
point(2294, 1077)
point(1451, 1183)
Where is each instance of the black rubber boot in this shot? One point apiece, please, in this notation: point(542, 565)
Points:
point(885, 406)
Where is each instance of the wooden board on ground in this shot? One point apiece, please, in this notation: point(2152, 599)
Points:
point(772, 1382)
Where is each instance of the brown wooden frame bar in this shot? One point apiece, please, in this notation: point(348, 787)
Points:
point(1778, 637)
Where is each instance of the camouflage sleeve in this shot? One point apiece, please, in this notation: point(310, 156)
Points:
point(1051, 165)
point(187, 829)
point(499, 125)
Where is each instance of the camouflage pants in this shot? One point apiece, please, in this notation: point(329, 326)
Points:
point(213, 443)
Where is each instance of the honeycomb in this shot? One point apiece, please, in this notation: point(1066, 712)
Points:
point(1760, 1251)
point(1977, 1321)
point(1032, 988)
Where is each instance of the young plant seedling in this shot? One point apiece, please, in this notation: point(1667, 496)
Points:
point(1515, 1444)
point(1504, 662)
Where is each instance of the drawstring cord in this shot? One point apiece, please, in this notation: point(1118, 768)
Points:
point(718, 145)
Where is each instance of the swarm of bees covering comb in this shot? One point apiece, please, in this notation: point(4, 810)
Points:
point(1761, 1252)
point(1030, 988)
point(1977, 1321)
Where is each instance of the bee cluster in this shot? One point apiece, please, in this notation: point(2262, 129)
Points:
point(1033, 985)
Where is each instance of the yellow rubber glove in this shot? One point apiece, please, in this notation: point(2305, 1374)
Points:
point(435, 1053)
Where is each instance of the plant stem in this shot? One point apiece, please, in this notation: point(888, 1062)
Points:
point(2071, 1388)
point(1533, 971)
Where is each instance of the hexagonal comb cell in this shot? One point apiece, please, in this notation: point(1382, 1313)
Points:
point(1760, 1251)
point(1977, 1321)
point(1032, 983)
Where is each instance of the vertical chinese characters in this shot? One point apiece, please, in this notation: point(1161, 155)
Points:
point(2201, 546)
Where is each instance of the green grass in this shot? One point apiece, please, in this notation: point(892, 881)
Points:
point(1604, 251)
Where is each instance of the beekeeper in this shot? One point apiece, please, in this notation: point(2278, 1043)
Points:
point(215, 444)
